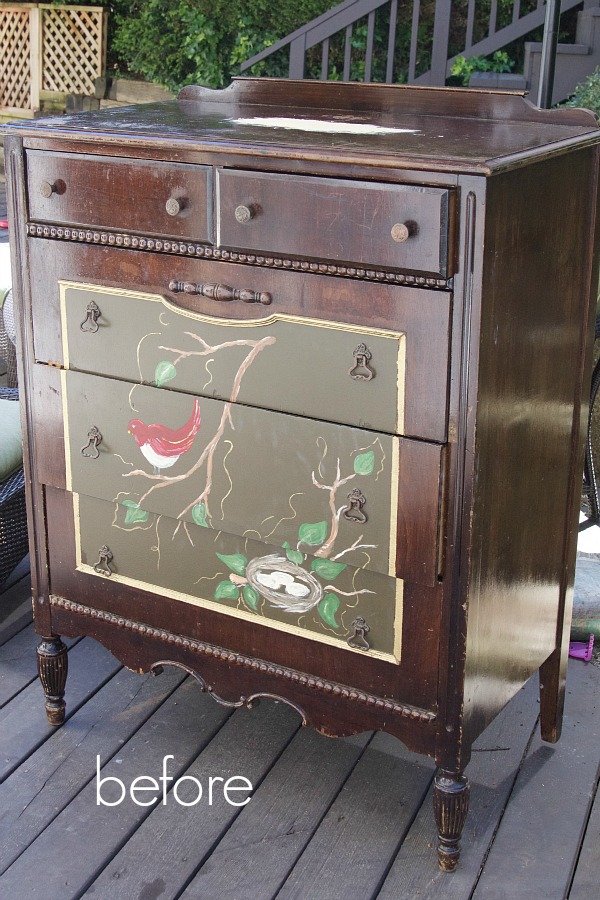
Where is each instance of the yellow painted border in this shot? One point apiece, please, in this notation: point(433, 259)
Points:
point(65, 411)
point(241, 614)
point(399, 336)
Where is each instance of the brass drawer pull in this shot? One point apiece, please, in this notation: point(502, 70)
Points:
point(361, 370)
point(358, 640)
point(47, 189)
point(94, 440)
point(174, 206)
point(220, 292)
point(105, 557)
point(90, 323)
point(353, 512)
point(243, 214)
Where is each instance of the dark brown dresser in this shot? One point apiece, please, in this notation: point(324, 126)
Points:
point(304, 369)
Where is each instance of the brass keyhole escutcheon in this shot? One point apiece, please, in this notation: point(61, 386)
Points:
point(90, 450)
point(243, 214)
point(358, 640)
point(361, 370)
point(105, 558)
point(354, 512)
point(92, 314)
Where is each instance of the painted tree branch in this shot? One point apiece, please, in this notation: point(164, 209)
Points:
point(208, 349)
point(162, 481)
point(326, 548)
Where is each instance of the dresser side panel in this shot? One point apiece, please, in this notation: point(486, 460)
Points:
point(536, 302)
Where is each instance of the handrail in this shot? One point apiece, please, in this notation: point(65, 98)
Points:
point(345, 16)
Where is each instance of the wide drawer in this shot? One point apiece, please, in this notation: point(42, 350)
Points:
point(170, 199)
point(290, 591)
point(423, 316)
point(345, 495)
point(321, 369)
point(397, 226)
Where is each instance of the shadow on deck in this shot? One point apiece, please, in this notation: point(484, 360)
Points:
point(328, 819)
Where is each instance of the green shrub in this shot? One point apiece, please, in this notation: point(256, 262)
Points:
point(587, 94)
point(463, 67)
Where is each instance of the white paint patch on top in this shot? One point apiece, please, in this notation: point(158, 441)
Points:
point(321, 125)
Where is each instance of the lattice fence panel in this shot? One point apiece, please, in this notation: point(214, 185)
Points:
point(15, 75)
point(72, 49)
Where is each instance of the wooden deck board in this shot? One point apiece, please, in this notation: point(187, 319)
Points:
point(173, 842)
point(327, 820)
point(350, 853)
point(49, 779)
point(537, 844)
point(269, 835)
point(23, 723)
point(586, 883)
point(493, 769)
point(80, 841)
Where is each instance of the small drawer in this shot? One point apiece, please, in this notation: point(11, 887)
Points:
point(346, 495)
point(170, 199)
point(289, 591)
point(397, 226)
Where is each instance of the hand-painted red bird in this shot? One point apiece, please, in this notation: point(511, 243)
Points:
point(163, 446)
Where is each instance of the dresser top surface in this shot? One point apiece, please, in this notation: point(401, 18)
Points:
point(382, 125)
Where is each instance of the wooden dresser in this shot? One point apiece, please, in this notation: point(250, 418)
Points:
point(305, 372)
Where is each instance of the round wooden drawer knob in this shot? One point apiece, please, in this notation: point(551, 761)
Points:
point(400, 232)
point(174, 206)
point(47, 189)
point(243, 214)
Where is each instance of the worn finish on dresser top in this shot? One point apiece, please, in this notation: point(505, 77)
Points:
point(304, 405)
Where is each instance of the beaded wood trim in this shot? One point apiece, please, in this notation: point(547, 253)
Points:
point(201, 251)
point(248, 662)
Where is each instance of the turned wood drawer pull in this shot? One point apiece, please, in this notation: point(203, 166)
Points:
point(174, 205)
point(353, 512)
point(92, 314)
point(361, 370)
point(243, 214)
point(401, 231)
point(105, 557)
point(358, 640)
point(221, 292)
point(93, 442)
point(47, 189)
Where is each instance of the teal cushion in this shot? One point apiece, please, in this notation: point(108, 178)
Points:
point(11, 450)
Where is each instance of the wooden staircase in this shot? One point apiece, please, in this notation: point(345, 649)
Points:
point(361, 40)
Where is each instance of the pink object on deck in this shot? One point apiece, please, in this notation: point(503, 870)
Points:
point(3, 223)
point(581, 650)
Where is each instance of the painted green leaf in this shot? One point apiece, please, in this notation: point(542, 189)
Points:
point(164, 372)
point(226, 590)
point(364, 463)
point(237, 562)
point(313, 534)
point(133, 512)
point(328, 607)
point(199, 514)
point(293, 555)
point(251, 596)
point(327, 568)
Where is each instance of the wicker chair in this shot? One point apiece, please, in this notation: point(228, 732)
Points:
point(13, 521)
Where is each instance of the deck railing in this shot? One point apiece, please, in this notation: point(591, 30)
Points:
point(411, 39)
point(56, 49)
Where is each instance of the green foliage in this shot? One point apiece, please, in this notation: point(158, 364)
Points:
point(328, 607)
point(464, 66)
point(587, 94)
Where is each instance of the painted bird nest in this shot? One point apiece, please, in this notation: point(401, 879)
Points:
point(284, 584)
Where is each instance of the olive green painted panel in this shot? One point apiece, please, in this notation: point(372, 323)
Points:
point(285, 589)
point(252, 472)
point(285, 363)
